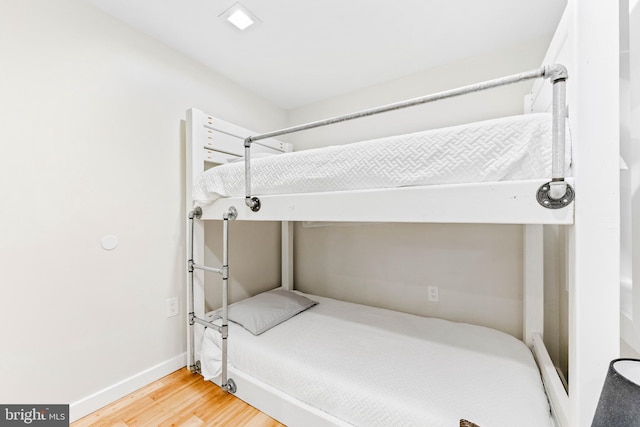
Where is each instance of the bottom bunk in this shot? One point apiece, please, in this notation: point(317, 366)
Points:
point(339, 363)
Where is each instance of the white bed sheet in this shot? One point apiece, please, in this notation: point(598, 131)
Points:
point(509, 148)
point(375, 367)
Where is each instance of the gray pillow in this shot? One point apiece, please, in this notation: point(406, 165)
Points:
point(262, 312)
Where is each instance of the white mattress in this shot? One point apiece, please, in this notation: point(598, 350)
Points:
point(375, 367)
point(510, 148)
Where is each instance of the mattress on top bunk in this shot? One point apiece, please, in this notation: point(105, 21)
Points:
point(375, 367)
point(509, 148)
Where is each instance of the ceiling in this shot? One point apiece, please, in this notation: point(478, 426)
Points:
point(308, 50)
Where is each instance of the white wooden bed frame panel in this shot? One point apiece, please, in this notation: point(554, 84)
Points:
point(593, 278)
point(587, 43)
point(507, 202)
point(594, 240)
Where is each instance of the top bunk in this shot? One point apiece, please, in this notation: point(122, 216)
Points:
point(509, 170)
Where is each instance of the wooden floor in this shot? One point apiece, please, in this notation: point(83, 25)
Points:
point(179, 399)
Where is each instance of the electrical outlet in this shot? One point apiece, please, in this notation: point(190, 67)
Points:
point(432, 294)
point(173, 307)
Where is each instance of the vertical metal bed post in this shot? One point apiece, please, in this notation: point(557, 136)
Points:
point(558, 76)
point(194, 366)
point(557, 193)
point(227, 384)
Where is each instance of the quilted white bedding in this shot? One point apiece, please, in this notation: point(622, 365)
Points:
point(510, 148)
point(375, 367)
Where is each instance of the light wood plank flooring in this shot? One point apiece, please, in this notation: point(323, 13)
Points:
point(179, 399)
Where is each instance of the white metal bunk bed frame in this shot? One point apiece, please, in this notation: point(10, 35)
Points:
point(586, 40)
point(555, 195)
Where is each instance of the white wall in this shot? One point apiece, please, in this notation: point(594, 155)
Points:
point(477, 268)
point(93, 144)
point(254, 259)
point(631, 154)
point(478, 106)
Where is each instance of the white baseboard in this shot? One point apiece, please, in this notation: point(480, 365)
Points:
point(116, 391)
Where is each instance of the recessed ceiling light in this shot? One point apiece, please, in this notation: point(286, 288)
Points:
point(240, 17)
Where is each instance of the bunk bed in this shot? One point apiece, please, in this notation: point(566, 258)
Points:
point(515, 155)
point(221, 349)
